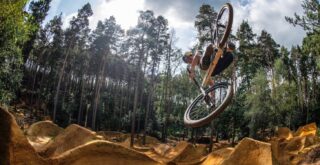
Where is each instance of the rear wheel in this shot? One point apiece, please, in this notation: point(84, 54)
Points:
point(205, 108)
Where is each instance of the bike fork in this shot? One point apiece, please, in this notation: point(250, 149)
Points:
point(198, 85)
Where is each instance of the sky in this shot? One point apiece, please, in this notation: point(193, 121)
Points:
point(266, 15)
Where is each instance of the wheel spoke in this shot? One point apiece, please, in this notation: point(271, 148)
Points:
point(202, 109)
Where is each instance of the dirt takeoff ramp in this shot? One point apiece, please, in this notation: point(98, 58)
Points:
point(100, 152)
point(44, 128)
point(218, 156)
point(40, 133)
point(14, 146)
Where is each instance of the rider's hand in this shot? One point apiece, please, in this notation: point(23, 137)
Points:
point(191, 74)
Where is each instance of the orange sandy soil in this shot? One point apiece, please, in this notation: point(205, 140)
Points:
point(45, 143)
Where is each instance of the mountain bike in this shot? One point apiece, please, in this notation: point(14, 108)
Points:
point(213, 100)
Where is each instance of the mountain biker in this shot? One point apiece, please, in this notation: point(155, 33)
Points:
point(204, 61)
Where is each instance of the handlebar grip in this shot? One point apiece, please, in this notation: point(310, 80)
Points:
point(188, 69)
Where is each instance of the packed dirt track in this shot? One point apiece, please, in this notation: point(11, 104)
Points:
point(45, 143)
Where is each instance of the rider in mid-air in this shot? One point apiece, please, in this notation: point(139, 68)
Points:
point(204, 61)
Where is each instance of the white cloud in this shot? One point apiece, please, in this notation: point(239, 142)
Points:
point(66, 20)
point(270, 16)
point(185, 31)
point(261, 15)
point(125, 12)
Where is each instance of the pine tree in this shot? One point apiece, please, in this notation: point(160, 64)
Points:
point(204, 23)
point(78, 25)
point(105, 40)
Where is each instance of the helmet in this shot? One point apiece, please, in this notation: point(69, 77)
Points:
point(231, 45)
point(186, 55)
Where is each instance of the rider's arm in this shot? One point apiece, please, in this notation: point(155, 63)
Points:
point(195, 61)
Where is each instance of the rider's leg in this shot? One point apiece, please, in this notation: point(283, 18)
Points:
point(223, 63)
point(212, 94)
point(210, 98)
point(206, 58)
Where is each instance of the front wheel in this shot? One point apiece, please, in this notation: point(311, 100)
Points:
point(223, 25)
point(206, 107)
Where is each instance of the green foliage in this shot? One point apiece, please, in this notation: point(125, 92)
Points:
point(10, 72)
point(13, 28)
point(13, 33)
point(259, 103)
point(247, 53)
point(310, 18)
point(38, 13)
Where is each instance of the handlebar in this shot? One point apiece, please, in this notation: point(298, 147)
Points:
point(193, 79)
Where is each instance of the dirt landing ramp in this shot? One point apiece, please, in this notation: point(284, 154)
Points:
point(73, 136)
point(100, 152)
point(217, 157)
point(14, 146)
point(250, 152)
point(182, 153)
point(309, 129)
point(303, 144)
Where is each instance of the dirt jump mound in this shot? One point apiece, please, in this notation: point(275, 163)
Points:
point(218, 156)
point(297, 147)
point(182, 153)
point(73, 136)
point(113, 136)
point(44, 128)
point(100, 152)
point(40, 133)
point(14, 146)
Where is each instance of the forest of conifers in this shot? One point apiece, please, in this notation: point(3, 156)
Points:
point(109, 78)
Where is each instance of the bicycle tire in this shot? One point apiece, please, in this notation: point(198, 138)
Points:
point(206, 120)
point(229, 26)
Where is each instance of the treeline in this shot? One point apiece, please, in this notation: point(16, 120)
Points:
point(275, 86)
point(105, 78)
point(132, 80)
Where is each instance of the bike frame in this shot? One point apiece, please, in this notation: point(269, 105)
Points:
point(211, 68)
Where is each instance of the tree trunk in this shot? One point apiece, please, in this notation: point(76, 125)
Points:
point(211, 137)
point(81, 100)
point(135, 102)
point(136, 97)
point(56, 97)
point(100, 80)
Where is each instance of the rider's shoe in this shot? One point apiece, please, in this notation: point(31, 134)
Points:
point(209, 101)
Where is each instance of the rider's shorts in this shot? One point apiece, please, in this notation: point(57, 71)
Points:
point(222, 64)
